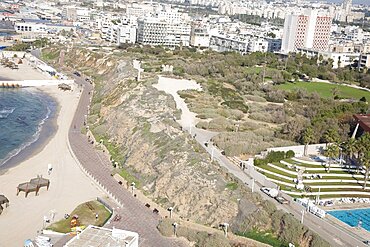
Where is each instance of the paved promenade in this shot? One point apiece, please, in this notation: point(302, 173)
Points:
point(134, 215)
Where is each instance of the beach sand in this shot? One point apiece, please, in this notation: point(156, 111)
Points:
point(69, 186)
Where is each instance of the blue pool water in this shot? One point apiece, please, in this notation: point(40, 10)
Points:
point(353, 217)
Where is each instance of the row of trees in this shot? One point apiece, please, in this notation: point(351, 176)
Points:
point(355, 150)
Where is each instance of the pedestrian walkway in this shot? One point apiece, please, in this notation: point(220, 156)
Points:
point(134, 216)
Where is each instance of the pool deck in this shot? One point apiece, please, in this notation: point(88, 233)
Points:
point(361, 232)
point(345, 206)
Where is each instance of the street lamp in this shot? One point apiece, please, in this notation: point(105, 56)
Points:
point(212, 152)
point(224, 226)
point(175, 225)
point(170, 209)
point(252, 185)
point(302, 216)
point(132, 187)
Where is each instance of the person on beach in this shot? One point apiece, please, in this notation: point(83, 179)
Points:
point(50, 168)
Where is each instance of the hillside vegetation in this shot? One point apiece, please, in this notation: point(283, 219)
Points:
point(137, 124)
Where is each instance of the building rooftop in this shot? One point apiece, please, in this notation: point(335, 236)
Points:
point(99, 236)
point(363, 120)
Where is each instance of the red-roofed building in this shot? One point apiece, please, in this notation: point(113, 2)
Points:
point(363, 120)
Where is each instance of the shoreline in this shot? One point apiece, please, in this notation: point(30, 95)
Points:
point(69, 186)
point(47, 132)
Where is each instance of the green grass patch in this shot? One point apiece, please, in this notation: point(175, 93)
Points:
point(272, 169)
point(232, 186)
point(129, 178)
point(325, 89)
point(263, 237)
point(86, 216)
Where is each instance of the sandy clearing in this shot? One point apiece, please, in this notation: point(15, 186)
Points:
point(172, 86)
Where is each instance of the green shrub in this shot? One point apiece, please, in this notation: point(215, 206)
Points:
point(289, 154)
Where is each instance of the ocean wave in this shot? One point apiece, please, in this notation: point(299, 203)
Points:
point(6, 111)
point(32, 140)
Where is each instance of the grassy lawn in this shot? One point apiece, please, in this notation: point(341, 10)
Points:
point(272, 169)
point(343, 171)
point(325, 89)
point(263, 237)
point(277, 178)
point(86, 216)
point(293, 162)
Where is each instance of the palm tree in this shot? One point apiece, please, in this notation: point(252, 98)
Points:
point(307, 138)
point(331, 152)
point(365, 161)
point(350, 147)
point(331, 135)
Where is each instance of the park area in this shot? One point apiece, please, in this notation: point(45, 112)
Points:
point(318, 179)
point(88, 213)
point(327, 90)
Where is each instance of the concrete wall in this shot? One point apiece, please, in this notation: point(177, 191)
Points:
point(314, 149)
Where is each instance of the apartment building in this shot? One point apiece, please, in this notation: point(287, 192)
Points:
point(40, 27)
point(199, 36)
point(309, 30)
point(243, 45)
point(155, 31)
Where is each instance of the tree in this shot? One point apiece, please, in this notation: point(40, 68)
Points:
point(332, 151)
point(307, 138)
point(331, 135)
point(350, 148)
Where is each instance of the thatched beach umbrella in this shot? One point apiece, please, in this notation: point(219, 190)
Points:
point(40, 182)
point(27, 188)
point(4, 200)
point(1, 209)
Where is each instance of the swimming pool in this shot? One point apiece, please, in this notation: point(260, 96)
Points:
point(353, 217)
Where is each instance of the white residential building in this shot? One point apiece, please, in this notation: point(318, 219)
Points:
point(99, 236)
point(154, 31)
point(36, 27)
point(243, 45)
point(309, 30)
point(199, 36)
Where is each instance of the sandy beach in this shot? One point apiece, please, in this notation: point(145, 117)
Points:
point(69, 185)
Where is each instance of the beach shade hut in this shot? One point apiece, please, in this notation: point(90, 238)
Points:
point(27, 188)
point(40, 182)
point(64, 86)
point(4, 200)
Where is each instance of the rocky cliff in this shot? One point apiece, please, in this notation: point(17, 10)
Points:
point(137, 124)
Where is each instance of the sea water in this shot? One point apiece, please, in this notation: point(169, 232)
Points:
point(23, 113)
point(353, 217)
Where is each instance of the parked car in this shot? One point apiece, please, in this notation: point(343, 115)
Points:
point(265, 190)
point(281, 200)
point(76, 73)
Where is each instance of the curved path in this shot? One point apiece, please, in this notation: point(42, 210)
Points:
point(135, 216)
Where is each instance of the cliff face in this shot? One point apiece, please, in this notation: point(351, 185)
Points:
point(137, 124)
point(139, 121)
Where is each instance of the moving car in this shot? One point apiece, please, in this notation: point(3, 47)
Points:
point(76, 73)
